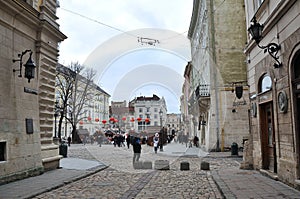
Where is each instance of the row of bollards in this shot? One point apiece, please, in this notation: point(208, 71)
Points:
point(165, 165)
point(186, 166)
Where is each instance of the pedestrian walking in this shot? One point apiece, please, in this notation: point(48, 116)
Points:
point(155, 142)
point(196, 141)
point(69, 141)
point(137, 148)
point(128, 141)
point(100, 140)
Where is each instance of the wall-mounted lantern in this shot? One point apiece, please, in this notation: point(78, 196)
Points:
point(29, 65)
point(272, 48)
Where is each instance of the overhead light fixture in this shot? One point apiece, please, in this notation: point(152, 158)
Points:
point(29, 65)
point(148, 41)
point(256, 30)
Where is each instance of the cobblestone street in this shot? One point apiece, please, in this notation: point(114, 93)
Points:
point(96, 172)
point(121, 180)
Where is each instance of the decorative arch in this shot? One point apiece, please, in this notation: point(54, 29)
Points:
point(132, 83)
point(121, 45)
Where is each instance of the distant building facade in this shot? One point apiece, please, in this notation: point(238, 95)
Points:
point(95, 108)
point(153, 108)
point(123, 113)
point(173, 123)
point(26, 146)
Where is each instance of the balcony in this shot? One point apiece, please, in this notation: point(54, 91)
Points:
point(202, 90)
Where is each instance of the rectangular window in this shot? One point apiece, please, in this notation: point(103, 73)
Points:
point(2, 151)
point(140, 110)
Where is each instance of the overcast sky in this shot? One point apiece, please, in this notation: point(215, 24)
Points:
point(104, 35)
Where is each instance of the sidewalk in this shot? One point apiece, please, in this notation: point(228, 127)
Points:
point(72, 169)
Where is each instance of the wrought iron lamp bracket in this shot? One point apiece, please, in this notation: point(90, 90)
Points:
point(21, 61)
point(272, 49)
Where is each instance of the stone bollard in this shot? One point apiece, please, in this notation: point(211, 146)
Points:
point(184, 166)
point(147, 165)
point(138, 165)
point(161, 165)
point(204, 165)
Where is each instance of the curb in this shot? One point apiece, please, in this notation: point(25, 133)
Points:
point(90, 172)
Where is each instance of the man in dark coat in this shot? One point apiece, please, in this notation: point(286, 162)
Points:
point(136, 149)
point(128, 141)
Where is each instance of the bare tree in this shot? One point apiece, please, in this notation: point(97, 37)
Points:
point(65, 78)
point(75, 89)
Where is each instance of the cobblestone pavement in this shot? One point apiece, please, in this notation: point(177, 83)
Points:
point(121, 180)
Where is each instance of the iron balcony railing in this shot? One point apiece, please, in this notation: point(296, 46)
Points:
point(202, 90)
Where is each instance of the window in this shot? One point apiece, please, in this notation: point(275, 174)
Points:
point(265, 84)
point(140, 110)
point(155, 110)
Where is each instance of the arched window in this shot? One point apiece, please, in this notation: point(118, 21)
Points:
point(265, 83)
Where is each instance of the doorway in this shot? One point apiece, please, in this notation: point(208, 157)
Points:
point(296, 98)
point(268, 144)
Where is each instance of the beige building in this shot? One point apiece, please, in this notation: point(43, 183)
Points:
point(123, 113)
point(173, 123)
point(217, 95)
point(274, 145)
point(26, 104)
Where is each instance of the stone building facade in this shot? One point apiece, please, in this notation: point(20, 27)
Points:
point(173, 123)
point(26, 146)
point(149, 107)
point(218, 114)
point(274, 143)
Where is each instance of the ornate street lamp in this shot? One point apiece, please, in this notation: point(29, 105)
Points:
point(29, 65)
point(161, 131)
point(256, 30)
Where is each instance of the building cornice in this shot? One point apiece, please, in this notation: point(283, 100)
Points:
point(194, 18)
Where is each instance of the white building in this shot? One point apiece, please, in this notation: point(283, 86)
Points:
point(96, 111)
point(153, 108)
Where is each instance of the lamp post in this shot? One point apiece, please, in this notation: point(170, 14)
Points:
point(272, 48)
point(55, 116)
point(56, 111)
point(161, 131)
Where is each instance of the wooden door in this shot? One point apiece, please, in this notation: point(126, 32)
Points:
point(269, 161)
